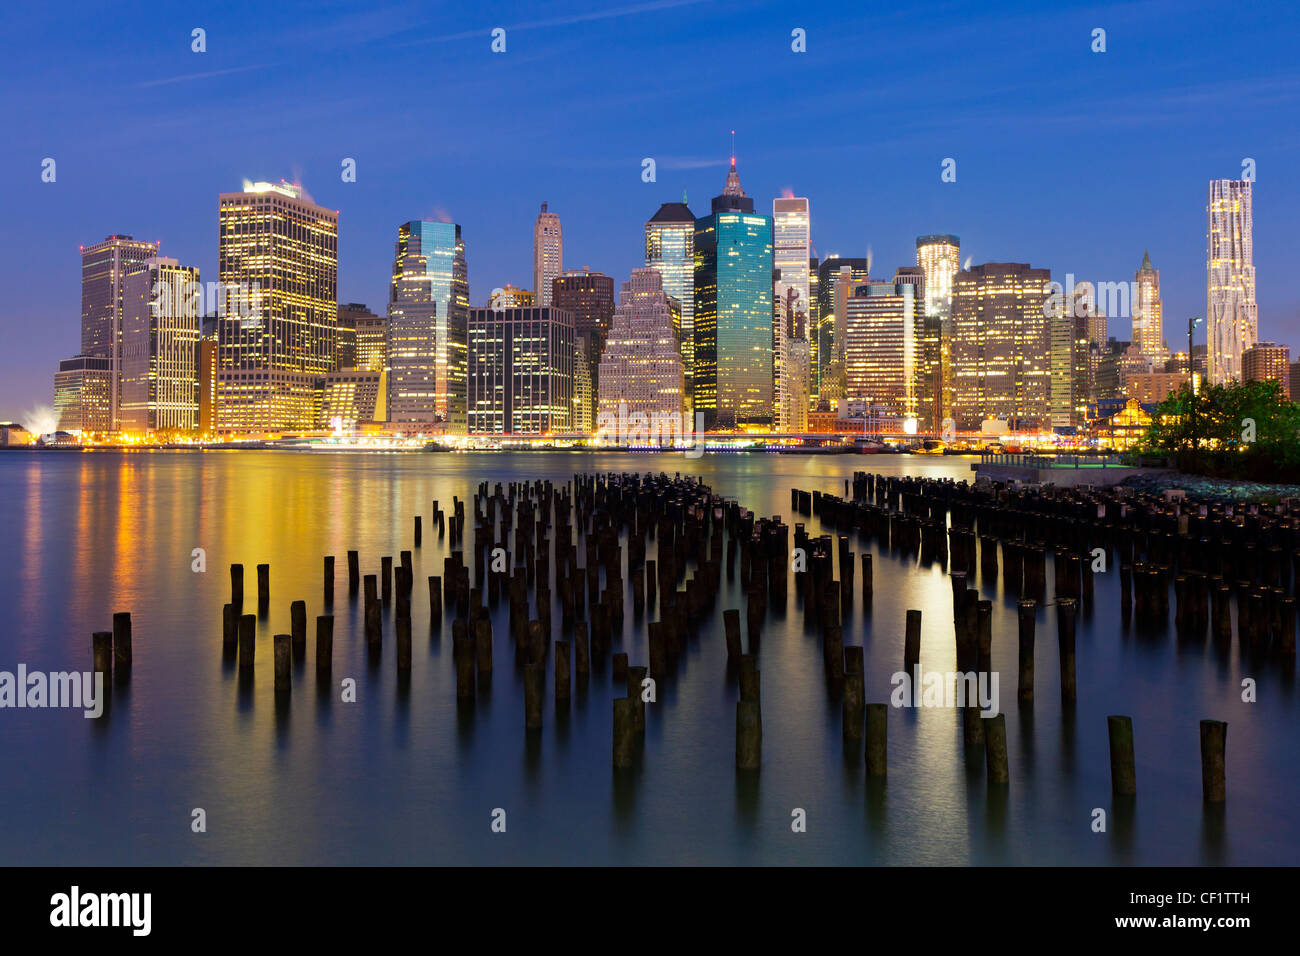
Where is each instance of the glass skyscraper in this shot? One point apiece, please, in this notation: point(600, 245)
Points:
point(670, 251)
point(733, 311)
point(428, 309)
point(1231, 311)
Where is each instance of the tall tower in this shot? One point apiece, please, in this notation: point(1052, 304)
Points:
point(161, 317)
point(792, 245)
point(1231, 313)
point(428, 307)
point(733, 311)
point(641, 366)
point(104, 268)
point(940, 258)
point(278, 251)
point(1148, 313)
point(670, 251)
point(548, 254)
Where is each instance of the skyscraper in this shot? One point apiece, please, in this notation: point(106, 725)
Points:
point(521, 371)
point(161, 316)
point(792, 244)
point(351, 317)
point(733, 311)
point(641, 366)
point(83, 394)
point(589, 297)
point(1068, 338)
point(836, 278)
point(790, 357)
point(104, 268)
point(1268, 362)
point(1001, 345)
point(883, 329)
point(939, 257)
point(427, 320)
point(1230, 312)
point(1148, 313)
point(278, 249)
point(548, 254)
point(670, 251)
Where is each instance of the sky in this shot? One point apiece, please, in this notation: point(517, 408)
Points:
point(1066, 158)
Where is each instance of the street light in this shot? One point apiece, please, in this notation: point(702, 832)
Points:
point(1192, 323)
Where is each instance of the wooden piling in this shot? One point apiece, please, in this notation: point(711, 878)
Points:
point(329, 580)
point(912, 641)
point(237, 586)
point(263, 587)
point(122, 644)
point(282, 647)
point(1123, 773)
point(354, 571)
point(624, 732)
point(247, 641)
point(1028, 624)
point(995, 749)
point(324, 645)
point(1066, 609)
point(562, 676)
point(298, 629)
point(1214, 739)
point(749, 735)
point(877, 715)
point(101, 654)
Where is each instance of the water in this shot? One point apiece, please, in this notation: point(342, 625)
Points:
point(408, 779)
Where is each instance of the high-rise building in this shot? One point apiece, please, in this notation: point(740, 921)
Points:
point(521, 371)
point(104, 268)
point(837, 276)
point(1148, 312)
point(1230, 312)
point(939, 258)
point(207, 370)
point(1268, 362)
point(428, 308)
point(1068, 339)
point(814, 323)
point(670, 251)
point(161, 317)
point(1001, 346)
point(584, 390)
point(1294, 379)
point(279, 250)
point(883, 325)
point(641, 367)
point(372, 341)
point(83, 394)
point(589, 297)
point(791, 357)
point(792, 244)
point(548, 254)
point(733, 311)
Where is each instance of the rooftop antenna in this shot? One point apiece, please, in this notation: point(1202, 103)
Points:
point(733, 147)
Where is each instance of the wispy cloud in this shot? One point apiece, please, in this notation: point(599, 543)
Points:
point(654, 6)
point(186, 77)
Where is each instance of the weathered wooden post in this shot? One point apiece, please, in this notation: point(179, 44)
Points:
point(1027, 610)
point(263, 588)
point(562, 676)
point(324, 645)
point(1214, 738)
point(298, 628)
point(282, 647)
point(229, 630)
point(435, 603)
point(329, 579)
point(1066, 608)
point(354, 572)
point(618, 665)
point(237, 586)
point(635, 677)
point(854, 693)
point(749, 735)
point(247, 641)
point(995, 749)
point(877, 715)
point(731, 626)
point(122, 645)
point(624, 731)
point(1123, 773)
point(867, 587)
point(462, 650)
point(912, 642)
point(402, 635)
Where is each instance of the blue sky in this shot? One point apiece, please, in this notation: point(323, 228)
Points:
point(1068, 159)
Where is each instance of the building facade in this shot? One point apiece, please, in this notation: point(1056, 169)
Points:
point(104, 268)
point(1148, 311)
point(1001, 346)
point(792, 245)
point(792, 359)
point(1231, 313)
point(641, 367)
point(670, 251)
point(883, 325)
point(548, 253)
point(279, 249)
point(428, 310)
point(161, 318)
point(1268, 362)
point(521, 371)
point(733, 311)
point(83, 394)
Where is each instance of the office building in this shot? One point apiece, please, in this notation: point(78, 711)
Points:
point(104, 268)
point(521, 371)
point(670, 251)
point(428, 308)
point(161, 318)
point(83, 394)
point(1001, 346)
point(353, 395)
point(1148, 312)
point(883, 325)
point(1268, 362)
point(278, 250)
point(641, 367)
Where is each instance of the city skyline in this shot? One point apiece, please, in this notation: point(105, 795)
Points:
point(1133, 180)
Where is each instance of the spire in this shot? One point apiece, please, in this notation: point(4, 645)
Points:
point(685, 202)
point(733, 178)
point(1146, 262)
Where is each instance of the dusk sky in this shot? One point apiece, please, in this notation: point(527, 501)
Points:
point(1067, 159)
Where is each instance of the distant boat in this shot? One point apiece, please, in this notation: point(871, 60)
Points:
point(435, 446)
point(932, 446)
point(869, 446)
